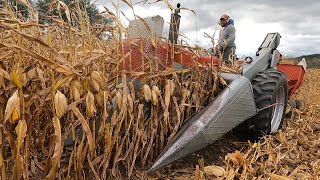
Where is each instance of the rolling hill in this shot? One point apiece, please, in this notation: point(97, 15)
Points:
point(313, 60)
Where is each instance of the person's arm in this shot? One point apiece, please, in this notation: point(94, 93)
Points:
point(220, 40)
point(220, 43)
point(231, 36)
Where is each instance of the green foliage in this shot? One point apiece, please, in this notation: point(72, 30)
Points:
point(92, 11)
point(21, 9)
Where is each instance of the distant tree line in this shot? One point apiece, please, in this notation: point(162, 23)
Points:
point(18, 7)
point(313, 60)
point(43, 8)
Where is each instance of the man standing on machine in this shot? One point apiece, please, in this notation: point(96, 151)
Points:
point(227, 36)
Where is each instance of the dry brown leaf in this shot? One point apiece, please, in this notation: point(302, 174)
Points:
point(236, 157)
point(96, 76)
point(58, 148)
point(59, 83)
point(155, 99)
point(12, 110)
point(130, 103)
point(114, 118)
point(119, 100)
point(95, 85)
point(79, 87)
point(60, 68)
point(230, 174)
point(108, 137)
point(214, 171)
point(60, 104)
point(199, 175)
point(5, 74)
point(99, 98)
point(96, 81)
point(129, 3)
point(85, 127)
point(66, 10)
point(282, 137)
point(21, 131)
point(156, 90)
point(167, 93)
point(278, 177)
point(172, 87)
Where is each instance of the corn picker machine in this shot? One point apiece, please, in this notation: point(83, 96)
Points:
point(254, 101)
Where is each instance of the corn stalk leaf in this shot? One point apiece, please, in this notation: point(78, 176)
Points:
point(278, 177)
point(128, 2)
point(15, 76)
point(167, 2)
point(85, 127)
point(61, 82)
point(66, 10)
point(59, 57)
point(57, 149)
point(21, 131)
point(60, 68)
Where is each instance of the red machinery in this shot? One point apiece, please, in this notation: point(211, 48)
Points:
point(295, 76)
point(143, 55)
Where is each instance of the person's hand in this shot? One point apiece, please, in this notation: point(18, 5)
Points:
point(224, 44)
point(216, 49)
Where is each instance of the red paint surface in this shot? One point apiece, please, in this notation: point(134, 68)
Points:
point(142, 55)
point(295, 76)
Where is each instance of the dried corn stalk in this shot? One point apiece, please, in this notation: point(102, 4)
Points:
point(89, 115)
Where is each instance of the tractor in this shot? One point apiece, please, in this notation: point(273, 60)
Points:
point(253, 103)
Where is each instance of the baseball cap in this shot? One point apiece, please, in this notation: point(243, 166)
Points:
point(225, 17)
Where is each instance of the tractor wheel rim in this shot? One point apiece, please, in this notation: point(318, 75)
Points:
point(277, 111)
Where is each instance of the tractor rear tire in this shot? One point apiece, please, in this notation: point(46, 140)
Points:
point(270, 91)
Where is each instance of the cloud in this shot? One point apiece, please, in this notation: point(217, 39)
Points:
point(296, 20)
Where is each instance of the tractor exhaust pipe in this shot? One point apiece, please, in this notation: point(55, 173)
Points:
point(174, 25)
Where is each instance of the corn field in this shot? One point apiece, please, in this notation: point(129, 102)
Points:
point(69, 108)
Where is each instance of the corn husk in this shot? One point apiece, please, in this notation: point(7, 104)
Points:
point(60, 104)
point(216, 171)
point(147, 92)
point(90, 105)
point(12, 111)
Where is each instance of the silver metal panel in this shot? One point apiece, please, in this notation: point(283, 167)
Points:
point(216, 119)
point(138, 29)
point(238, 111)
point(229, 77)
point(262, 61)
point(275, 59)
point(272, 40)
point(268, 40)
point(258, 64)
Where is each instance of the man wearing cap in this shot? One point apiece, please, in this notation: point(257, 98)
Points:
point(227, 36)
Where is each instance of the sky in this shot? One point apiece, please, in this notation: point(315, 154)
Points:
point(297, 21)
